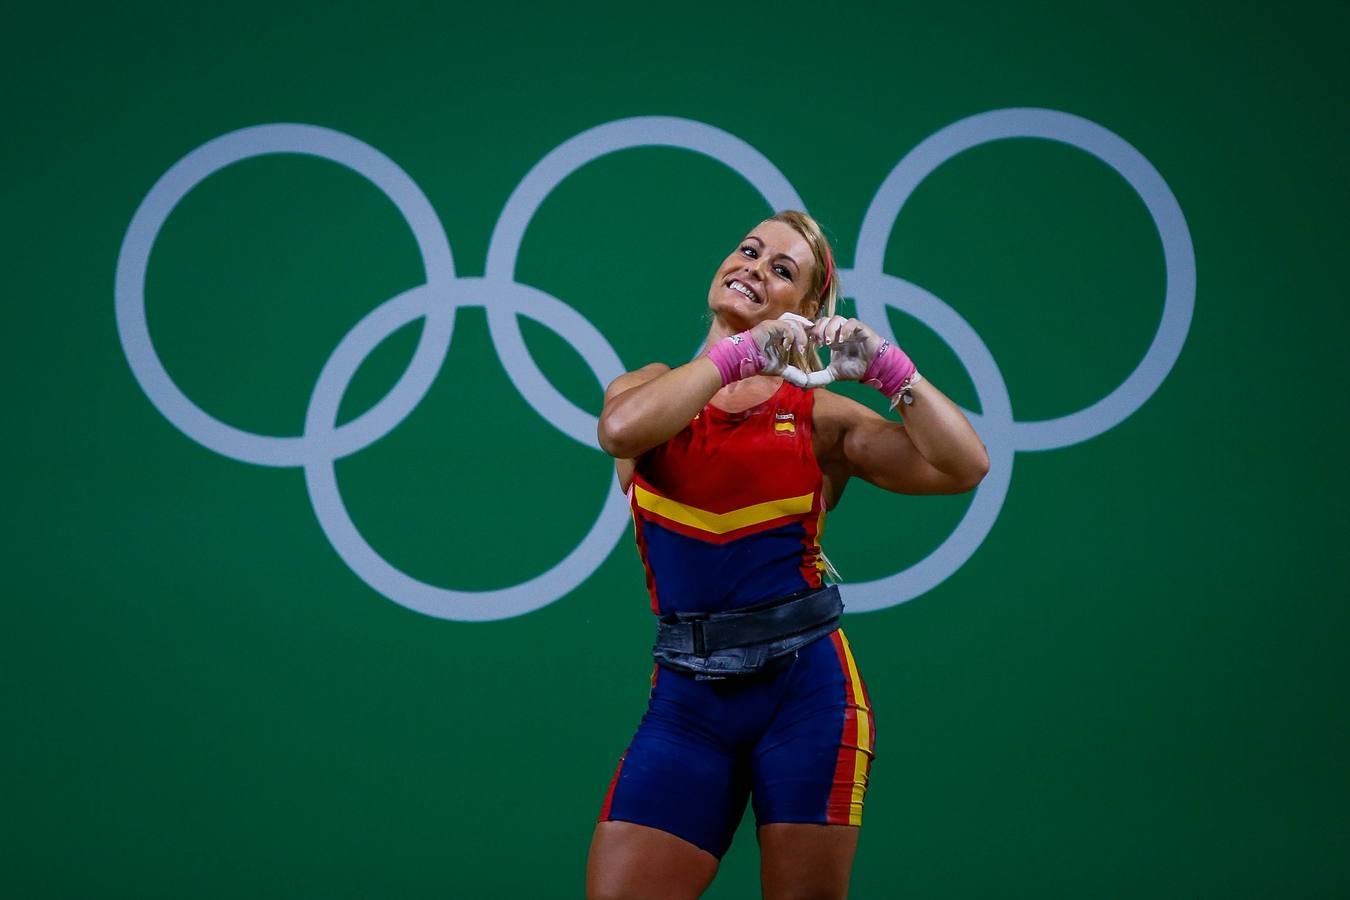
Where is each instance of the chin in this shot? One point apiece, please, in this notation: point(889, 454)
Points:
point(737, 316)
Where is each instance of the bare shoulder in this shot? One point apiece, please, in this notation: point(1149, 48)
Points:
point(834, 415)
point(634, 378)
point(838, 407)
point(835, 421)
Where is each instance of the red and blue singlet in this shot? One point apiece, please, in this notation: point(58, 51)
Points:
point(729, 513)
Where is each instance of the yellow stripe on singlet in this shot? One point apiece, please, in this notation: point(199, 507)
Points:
point(721, 523)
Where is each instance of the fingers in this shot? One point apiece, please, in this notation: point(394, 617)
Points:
point(817, 332)
point(776, 337)
point(792, 333)
point(832, 331)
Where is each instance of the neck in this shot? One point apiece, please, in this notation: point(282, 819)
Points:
point(715, 334)
point(720, 329)
point(739, 395)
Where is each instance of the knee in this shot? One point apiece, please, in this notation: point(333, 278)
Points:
point(807, 892)
point(610, 885)
point(605, 892)
point(627, 889)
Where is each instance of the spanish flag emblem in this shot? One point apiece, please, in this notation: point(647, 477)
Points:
point(784, 423)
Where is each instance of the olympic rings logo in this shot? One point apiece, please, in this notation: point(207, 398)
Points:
point(323, 441)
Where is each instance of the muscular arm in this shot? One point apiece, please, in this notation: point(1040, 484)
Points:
point(651, 405)
point(935, 451)
point(624, 466)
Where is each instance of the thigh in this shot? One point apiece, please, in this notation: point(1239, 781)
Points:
point(812, 764)
point(801, 861)
point(635, 862)
point(682, 774)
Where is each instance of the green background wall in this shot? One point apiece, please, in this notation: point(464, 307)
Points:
point(1136, 685)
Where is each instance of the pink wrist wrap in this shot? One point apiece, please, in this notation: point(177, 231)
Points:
point(736, 357)
point(890, 369)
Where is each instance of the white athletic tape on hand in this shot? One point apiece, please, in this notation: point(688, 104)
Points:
point(793, 374)
point(837, 370)
point(808, 380)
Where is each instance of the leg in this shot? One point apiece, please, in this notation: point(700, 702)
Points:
point(634, 862)
point(676, 798)
point(806, 862)
point(810, 773)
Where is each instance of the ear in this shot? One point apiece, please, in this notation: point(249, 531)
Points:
point(810, 308)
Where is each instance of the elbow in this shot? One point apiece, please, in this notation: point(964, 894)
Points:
point(619, 430)
point(974, 471)
point(616, 436)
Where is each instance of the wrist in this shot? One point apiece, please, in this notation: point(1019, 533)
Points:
point(905, 396)
point(891, 370)
point(736, 357)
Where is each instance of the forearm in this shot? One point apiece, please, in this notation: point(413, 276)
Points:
point(943, 435)
point(647, 414)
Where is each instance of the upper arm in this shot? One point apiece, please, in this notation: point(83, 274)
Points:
point(624, 468)
point(876, 449)
point(634, 378)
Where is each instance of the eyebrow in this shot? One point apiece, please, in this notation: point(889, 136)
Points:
point(796, 265)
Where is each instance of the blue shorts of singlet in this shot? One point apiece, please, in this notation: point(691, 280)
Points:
point(798, 741)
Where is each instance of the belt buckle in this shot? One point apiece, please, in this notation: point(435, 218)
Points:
point(700, 643)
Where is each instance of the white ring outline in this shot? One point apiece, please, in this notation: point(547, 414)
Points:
point(1139, 174)
point(322, 443)
point(173, 186)
point(547, 174)
point(321, 478)
point(985, 506)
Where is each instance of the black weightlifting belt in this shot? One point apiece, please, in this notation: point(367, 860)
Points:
point(749, 640)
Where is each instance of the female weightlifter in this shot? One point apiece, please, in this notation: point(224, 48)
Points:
point(731, 462)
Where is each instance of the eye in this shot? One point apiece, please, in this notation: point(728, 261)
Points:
point(784, 271)
point(750, 251)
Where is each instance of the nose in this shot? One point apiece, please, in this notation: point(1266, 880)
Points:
point(758, 267)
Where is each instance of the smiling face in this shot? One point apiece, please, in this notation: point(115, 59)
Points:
point(769, 273)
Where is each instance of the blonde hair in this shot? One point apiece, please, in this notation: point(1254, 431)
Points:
point(824, 293)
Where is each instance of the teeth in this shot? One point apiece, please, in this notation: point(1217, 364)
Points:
point(738, 286)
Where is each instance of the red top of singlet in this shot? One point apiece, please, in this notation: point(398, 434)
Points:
point(729, 511)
